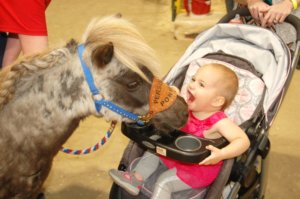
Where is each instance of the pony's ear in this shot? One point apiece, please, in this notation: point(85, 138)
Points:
point(102, 55)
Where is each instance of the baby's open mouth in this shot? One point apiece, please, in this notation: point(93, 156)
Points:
point(190, 97)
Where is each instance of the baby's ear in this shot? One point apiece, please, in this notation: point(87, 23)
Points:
point(219, 101)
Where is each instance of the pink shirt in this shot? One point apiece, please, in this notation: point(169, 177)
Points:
point(193, 174)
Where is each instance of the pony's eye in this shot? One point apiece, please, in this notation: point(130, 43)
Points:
point(133, 85)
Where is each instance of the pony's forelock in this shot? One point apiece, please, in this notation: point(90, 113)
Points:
point(130, 47)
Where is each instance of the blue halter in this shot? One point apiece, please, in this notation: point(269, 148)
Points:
point(102, 102)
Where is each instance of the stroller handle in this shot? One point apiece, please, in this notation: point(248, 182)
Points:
point(291, 19)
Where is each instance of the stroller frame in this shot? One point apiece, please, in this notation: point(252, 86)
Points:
point(246, 179)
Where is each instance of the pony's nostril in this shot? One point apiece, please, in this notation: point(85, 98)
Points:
point(186, 114)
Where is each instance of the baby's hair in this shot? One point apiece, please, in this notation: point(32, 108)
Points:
point(228, 83)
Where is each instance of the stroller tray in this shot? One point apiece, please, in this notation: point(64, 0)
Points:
point(174, 144)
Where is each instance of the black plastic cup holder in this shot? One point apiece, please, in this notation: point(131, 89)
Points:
point(188, 143)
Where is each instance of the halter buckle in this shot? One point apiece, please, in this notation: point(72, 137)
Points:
point(98, 97)
point(146, 118)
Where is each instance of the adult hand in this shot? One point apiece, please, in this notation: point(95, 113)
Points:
point(257, 9)
point(214, 158)
point(277, 13)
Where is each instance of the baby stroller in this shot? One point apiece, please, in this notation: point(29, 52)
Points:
point(264, 65)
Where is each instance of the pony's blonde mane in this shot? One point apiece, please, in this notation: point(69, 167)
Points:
point(130, 47)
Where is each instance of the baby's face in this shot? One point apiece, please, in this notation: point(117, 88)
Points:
point(203, 89)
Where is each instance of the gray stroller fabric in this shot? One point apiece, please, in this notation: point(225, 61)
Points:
point(213, 191)
point(262, 47)
point(191, 193)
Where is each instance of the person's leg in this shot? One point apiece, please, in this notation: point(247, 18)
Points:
point(132, 181)
point(12, 49)
point(33, 44)
point(146, 166)
point(167, 183)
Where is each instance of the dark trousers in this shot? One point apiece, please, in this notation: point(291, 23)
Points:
point(3, 39)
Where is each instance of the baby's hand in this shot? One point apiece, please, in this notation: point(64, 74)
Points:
point(214, 158)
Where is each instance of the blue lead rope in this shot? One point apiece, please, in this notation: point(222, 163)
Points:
point(95, 91)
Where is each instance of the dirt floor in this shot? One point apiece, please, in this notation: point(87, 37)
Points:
point(85, 177)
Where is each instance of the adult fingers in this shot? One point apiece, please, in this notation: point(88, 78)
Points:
point(282, 17)
point(264, 20)
point(254, 13)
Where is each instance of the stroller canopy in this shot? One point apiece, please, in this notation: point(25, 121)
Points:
point(262, 47)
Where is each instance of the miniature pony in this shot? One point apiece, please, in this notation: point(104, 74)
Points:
point(44, 97)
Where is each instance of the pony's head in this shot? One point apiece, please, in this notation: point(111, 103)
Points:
point(124, 66)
